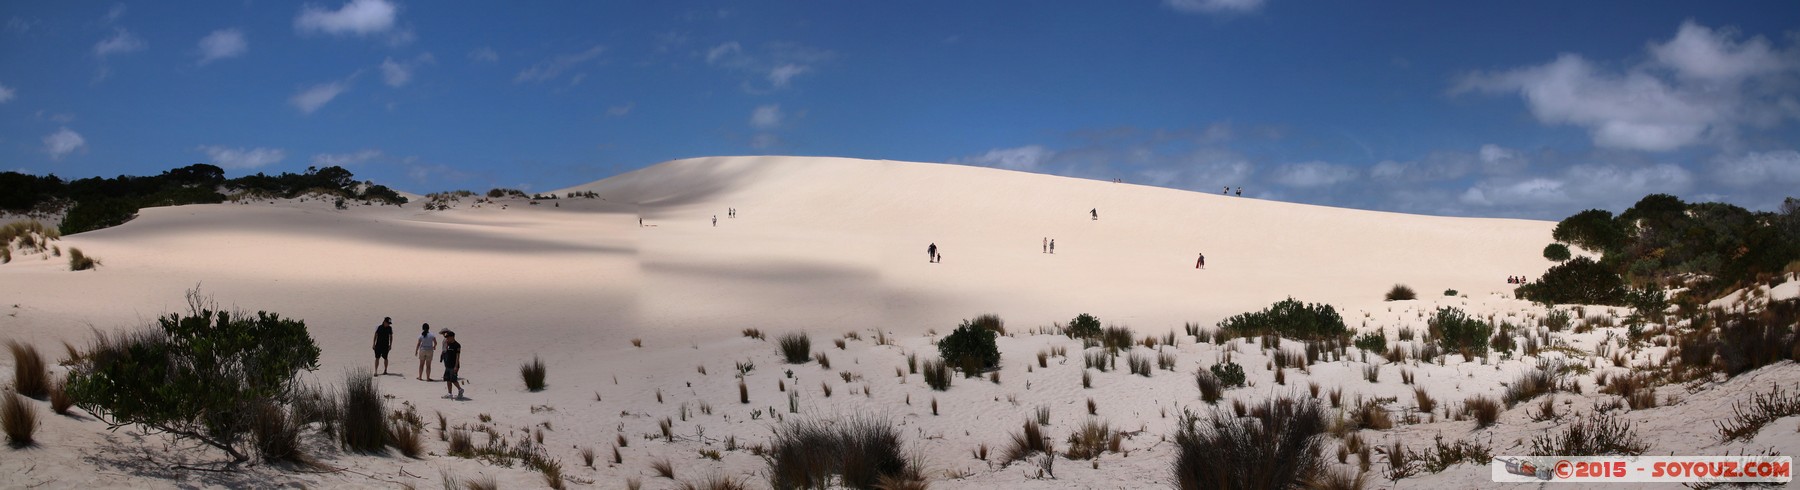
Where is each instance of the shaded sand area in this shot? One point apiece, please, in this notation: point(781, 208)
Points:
point(822, 245)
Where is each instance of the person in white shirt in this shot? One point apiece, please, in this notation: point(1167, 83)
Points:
point(427, 346)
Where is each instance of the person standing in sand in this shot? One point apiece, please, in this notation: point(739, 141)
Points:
point(427, 346)
point(1046, 246)
point(452, 358)
point(1053, 245)
point(1095, 212)
point(715, 221)
point(1201, 263)
point(931, 253)
point(384, 341)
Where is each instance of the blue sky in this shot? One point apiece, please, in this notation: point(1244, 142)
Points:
point(1506, 109)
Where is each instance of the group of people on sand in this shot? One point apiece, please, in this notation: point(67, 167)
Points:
point(932, 252)
point(1227, 191)
point(1516, 280)
point(425, 347)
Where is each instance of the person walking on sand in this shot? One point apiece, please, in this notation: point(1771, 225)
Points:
point(1240, 191)
point(384, 341)
point(715, 221)
point(1045, 247)
point(931, 252)
point(1052, 245)
point(427, 346)
point(452, 358)
point(1201, 263)
point(1095, 212)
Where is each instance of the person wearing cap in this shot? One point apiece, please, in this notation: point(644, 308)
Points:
point(452, 358)
point(384, 341)
point(427, 346)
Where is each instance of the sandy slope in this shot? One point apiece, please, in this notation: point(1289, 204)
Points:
point(823, 245)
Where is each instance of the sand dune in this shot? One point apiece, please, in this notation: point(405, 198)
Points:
point(821, 245)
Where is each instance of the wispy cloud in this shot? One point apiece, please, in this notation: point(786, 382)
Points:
point(63, 142)
point(621, 110)
point(484, 54)
point(358, 18)
point(1214, 6)
point(772, 66)
point(1701, 87)
point(766, 117)
point(555, 66)
point(345, 159)
point(312, 98)
point(6, 94)
point(240, 158)
point(121, 42)
point(1029, 158)
point(399, 73)
point(222, 44)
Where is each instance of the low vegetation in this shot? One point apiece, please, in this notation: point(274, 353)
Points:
point(1276, 447)
point(1748, 418)
point(31, 377)
point(1400, 292)
point(1597, 434)
point(533, 373)
point(95, 203)
point(858, 452)
point(19, 419)
point(971, 348)
point(795, 347)
point(1288, 318)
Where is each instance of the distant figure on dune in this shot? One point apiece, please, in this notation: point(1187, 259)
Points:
point(1095, 212)
point(1053, 245)
point(427, 346)
point(1045, 247)
point(1200, 264)
point(931, 252)
point(640, 222)
point(452, 358)
point(715, 221)
point(384, 341)
point(1240, 190)
point(1227, 190)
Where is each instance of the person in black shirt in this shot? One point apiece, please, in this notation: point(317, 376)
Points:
point(384, 341)
point(452, 358)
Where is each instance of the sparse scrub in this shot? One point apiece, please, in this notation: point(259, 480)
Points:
point(824, 360)
point(1115, 338)
point(1529, 385)
point(1424, 401)
point(1370, 415)
point(1139, 364)
point(59, 398)
point(30, 376)
point(937, 375)
point(753, 333)
point(990, 322)
point(1597, 434)
point(1083, 326)
point(19, 419)
point(1456, 331)
point(1748, 418)
point(1091, 439)
point(1229, 373)
point(859, 452)
point(363, 414)
point(796, 347)
point(80, 261)
point(1028, 441)
point(1485, 410)
point(1400, 292)
point(1278, 450)
point(1372, 342)
point(1288, 318)
point(533, 373)
point(663, 467)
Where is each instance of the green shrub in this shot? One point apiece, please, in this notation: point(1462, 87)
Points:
point(197, 375)
point(1449, 292)
point(1401, 293)
point(1456, 331)
point(1373, 342)
point(1229, 373)
point(1578, 281)
point(1084, 326)
point(1556, 252)
point(1288, 318)
point(970, 346)
point(1593, 229)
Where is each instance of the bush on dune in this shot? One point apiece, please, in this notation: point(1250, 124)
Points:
point(1456, 331)
point(1401, 292)
point(1288, 318)
point(1084, 326)
point(795, 347)
point(196, 376)
point(860, 452)
point(1276, 447)
point(364, 414)
point(971, 348)
point(533, 373)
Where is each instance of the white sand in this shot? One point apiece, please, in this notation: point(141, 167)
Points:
point(823, 245)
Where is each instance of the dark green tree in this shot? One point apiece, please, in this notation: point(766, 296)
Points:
point(1556, 252)
point(1593, 229)
point(970, 348)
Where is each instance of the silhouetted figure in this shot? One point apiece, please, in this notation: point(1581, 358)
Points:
point(715, 221)
point(384, 340)
point(1200, 264)
point(1240, 191)
point(1053, 245)
point(931, 253)
point(1045, 247)
point(1095, 212)
point(1226, 191)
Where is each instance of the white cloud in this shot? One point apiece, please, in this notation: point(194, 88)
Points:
point(764, 141)
point(1214, 6)
point(550, 69)
point(121, 42)
point(766, 117)
point(781, 75)
point(242, 158)
point(395, 74)
point(63, 142)
point(776, 63)
point(1314, 174)
point(342, 159)
point(314, 97)
point(484, 54)
point(222, 44)
point(620, 110)
point(359, 17)
point(1029, 158)
point(114, 14)
point(1709, 97)
point(1583, 185)
point(6, 94)
point(1775, 167)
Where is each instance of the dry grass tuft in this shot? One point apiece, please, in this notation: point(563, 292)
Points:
point(31, 377)
point(19, 419)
